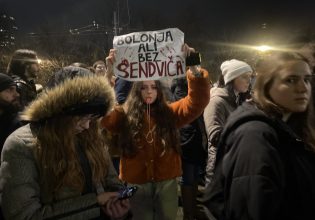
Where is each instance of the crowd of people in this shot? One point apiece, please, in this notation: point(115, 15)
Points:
point(71, 146)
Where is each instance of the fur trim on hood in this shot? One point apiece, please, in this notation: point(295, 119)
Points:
point(70, 94)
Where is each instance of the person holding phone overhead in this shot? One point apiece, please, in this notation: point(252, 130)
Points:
point(148, 136)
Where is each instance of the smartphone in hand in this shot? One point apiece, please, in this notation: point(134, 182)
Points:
point(127, 192)
point(193, 59)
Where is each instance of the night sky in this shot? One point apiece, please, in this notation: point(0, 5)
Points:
point(206, 18)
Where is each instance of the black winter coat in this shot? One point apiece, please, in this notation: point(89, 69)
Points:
point(266, 172)
point(193, 138)
point(9, 122)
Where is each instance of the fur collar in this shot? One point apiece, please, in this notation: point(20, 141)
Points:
point(69, 93)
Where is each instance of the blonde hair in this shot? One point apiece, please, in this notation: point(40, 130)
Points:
point(57, 155)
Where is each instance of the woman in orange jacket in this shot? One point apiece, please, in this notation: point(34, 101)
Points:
point(148, 136)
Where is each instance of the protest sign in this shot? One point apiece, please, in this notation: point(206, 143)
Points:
point(150, 55)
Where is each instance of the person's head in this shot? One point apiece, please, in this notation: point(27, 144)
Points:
point(9, 97)
point(24, 63)
point(68, 72)
point(148, 97)
point(283, 87)
point(99, 67)
point(65, 116)
point(237, 73)
point(304, 44)
point(83, 96)
point(147, 92)
point(78, 64)
point(283, 83)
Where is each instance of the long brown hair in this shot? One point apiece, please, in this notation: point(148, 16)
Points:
point(57, 156)
point(135, 114)
point(267, 71)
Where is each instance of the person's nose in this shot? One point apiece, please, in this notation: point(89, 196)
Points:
point(85, 124)
point(149, 90)
point(16, 94)
point(248, 79)
point(302, 86)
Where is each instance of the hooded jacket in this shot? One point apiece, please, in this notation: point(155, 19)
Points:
point(24, 193)
point(69, 94)
point(265, 170)
point(9, 123)
point(222, 103)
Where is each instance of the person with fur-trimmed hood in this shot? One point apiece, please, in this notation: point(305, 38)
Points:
point(57, 166)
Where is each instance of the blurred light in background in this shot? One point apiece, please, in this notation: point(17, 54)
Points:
point(263, 48)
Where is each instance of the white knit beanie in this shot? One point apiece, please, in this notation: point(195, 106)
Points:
point(232, 69)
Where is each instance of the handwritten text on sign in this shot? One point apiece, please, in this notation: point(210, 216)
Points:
point(150, 55)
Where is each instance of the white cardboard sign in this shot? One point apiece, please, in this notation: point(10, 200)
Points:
point(150, 55)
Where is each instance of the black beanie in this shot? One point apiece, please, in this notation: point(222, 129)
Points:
point(5, 82)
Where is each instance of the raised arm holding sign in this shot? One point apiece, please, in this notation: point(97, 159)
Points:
point(147, 125)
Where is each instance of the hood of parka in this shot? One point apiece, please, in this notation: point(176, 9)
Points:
point(70, 94)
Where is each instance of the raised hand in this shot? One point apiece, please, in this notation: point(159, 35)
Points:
point(187, 50)
point(110, 59)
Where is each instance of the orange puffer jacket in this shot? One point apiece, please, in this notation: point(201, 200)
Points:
point(150, 164)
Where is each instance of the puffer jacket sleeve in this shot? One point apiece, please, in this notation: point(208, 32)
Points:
point(20, 189)
point(214, 118)
point(113, 121)
point(112, 183)
point(254, 173)
point(191, 107)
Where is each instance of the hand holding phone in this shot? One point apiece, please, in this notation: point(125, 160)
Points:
point(127, 192)
point(104, 197)
point(193, 59)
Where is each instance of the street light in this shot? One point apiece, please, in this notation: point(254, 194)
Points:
point(263, 48)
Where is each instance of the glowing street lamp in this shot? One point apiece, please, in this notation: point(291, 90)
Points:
point(263, 48)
